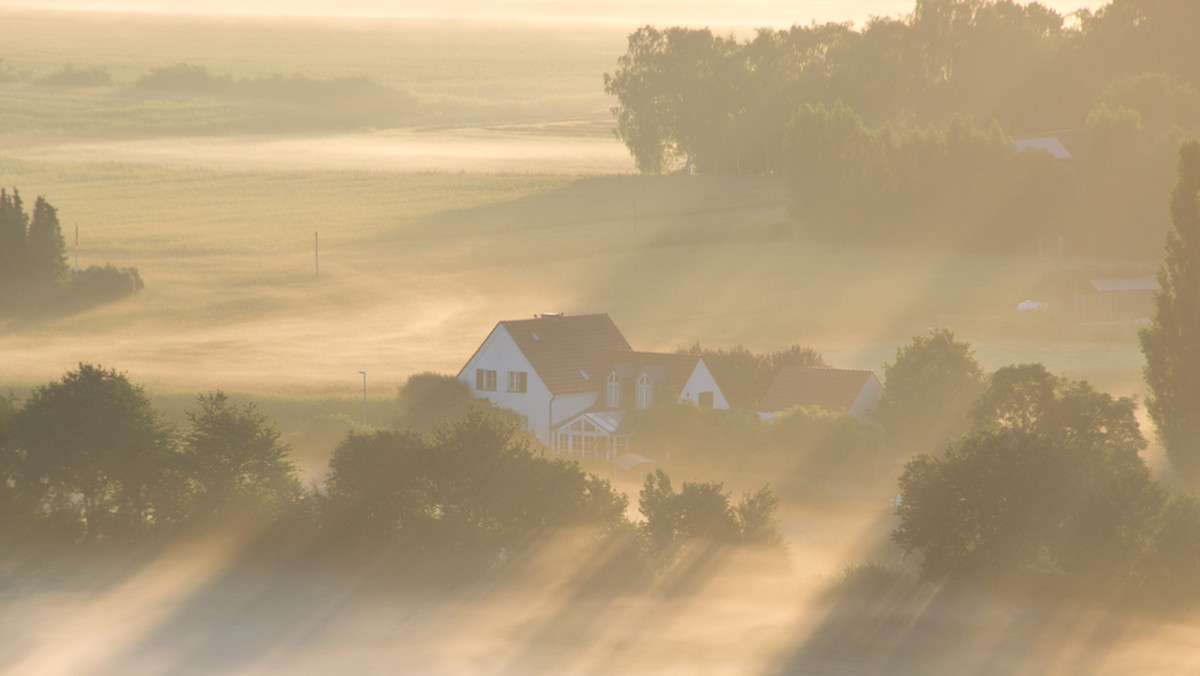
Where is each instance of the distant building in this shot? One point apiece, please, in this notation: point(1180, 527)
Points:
point(573, 379)
point(1130, 298)
point(1066, 146)
point(834, 390)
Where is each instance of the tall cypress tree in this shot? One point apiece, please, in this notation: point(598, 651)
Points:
point(14, 225)
point(47, 251)
point(1172, 341)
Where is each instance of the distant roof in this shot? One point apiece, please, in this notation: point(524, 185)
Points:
point(1062, 144)
point(1050, 144)
point(628, 461)
point(564, 349)
point(1130, 284)
point(664, 367)
point(834, 390)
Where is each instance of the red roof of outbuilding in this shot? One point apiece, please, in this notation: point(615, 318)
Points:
point(834, 390)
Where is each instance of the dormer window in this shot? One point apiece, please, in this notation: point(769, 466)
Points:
point(613, 398)
point(645, 391)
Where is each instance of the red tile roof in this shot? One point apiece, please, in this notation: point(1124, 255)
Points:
point(834, 390)
point(564, 349)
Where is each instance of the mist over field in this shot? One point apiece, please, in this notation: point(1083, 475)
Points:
point(327, 203)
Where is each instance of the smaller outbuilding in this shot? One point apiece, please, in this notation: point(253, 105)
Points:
point(1131, 298)
point(834, 390)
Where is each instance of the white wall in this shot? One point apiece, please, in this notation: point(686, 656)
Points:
point(702, 381)
point(501, 354)
point(868, 397)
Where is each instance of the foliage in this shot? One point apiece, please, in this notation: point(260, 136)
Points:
point(428, 398)
point(1049, 483)
point(95, 284)
point(237, 460)
point(1172, 565)
point(709, 440)
point(1172, 341)
point(91, 448)
point(873, 126)
point(745, 376)
point(676, 88)
point(70, 76)
point(808, 448)
point(960, 186)
point(475, 488)
point(34, 275)
point(927, 391)
point(701, 510)
point(378, 487)
point(359, 99)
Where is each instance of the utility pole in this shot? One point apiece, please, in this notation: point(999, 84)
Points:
point(364, 375)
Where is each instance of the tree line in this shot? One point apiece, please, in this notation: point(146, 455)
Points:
point(876, 128)
point(34, 274)
point(87, 461)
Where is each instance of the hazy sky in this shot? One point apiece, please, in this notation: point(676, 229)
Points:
point(620, 12)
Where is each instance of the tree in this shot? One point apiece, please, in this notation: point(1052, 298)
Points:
point(475, 489)
point(1049, 482)
point(809, 449)
point(92, 446)
point(428, 398)
point(237, 459)
point(14, 235)
point(47, 251)
point(380, 487)
point(928, 390)
point(677, 93)
point(701, 510)
point(1172, 341)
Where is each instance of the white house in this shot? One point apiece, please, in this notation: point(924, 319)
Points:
point(573, 378)
point(834, 390)
point(635, 380)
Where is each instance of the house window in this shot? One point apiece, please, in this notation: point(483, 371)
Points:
point(705, 399)
point(645, 392)
point(614, 391)
point(485, 379)
point(582, 437)
point(516, 381)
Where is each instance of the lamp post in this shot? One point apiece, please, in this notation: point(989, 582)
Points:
point(364, 375)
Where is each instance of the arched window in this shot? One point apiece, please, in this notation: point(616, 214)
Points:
point(613, 398)
point(645, 391)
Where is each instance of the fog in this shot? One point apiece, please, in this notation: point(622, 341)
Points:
point(624, 13)
point(528, 150)
point(310, 256)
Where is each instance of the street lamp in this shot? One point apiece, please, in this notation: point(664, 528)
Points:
point(364, 375)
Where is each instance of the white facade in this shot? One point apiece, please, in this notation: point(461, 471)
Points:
point(498, 364)
point(700, 382)
point(867, 398)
